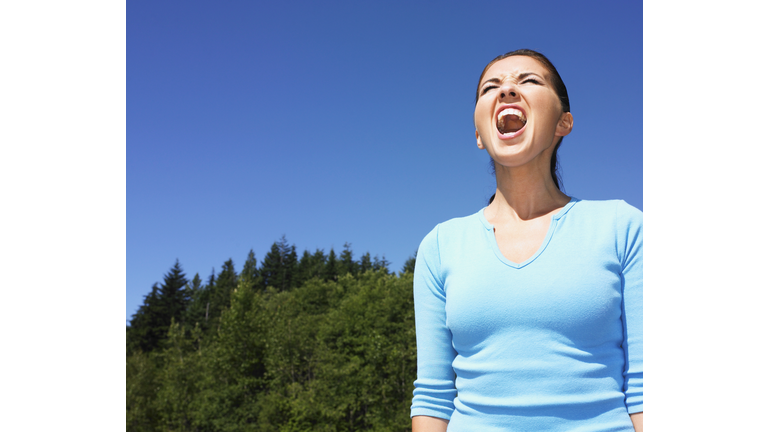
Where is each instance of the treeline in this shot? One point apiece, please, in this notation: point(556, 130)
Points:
point(320, 343)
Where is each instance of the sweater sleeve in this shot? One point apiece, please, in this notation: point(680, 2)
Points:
point(435, 387)
point(630, 252)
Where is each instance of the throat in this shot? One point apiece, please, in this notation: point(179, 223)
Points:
point(509, 124)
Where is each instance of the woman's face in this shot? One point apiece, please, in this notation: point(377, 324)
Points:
point(518, 116)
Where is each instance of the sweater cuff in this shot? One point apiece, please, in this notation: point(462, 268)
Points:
point(423, 411)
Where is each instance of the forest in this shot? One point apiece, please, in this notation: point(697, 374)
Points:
point(317, 343)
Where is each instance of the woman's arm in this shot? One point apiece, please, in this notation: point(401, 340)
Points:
point(435, 386)
point(630, 248)
point(637, 421)
point(434, 424)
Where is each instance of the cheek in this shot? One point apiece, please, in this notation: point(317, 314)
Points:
point(481, 116)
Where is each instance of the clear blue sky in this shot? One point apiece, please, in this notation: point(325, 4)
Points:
point(348, 121)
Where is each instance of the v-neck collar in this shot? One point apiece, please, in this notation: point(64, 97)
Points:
point(491, 237)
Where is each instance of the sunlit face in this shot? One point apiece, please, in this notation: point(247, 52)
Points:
point(518, 116)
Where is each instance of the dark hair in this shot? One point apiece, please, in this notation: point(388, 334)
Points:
point(560, 90)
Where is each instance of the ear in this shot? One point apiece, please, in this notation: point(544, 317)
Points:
point(479, 141)
point(564, 125)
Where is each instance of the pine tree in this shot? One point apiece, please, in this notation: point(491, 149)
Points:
point(166, 302)
point(410, 263)
point(365, 263)
point(270, 267)
point(145, 331)
point(348, 264)
point(332, 267)
point(209, 288)
point(250, 274)
point(290, 262)
point(318, 263)
point(303, 269)
point(279, 265)
point(225, 283)
point(173, 295)
point(199, 297)
point(381, 264)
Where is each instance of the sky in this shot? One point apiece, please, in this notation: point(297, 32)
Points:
point(348, 122)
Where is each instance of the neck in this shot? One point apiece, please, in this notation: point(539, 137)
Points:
point(524, 193)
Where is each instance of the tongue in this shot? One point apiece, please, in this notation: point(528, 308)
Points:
point(510, 123)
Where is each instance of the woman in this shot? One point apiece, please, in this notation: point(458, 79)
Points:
point(529, 312)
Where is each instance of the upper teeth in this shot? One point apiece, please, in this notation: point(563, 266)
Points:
point(511, 111)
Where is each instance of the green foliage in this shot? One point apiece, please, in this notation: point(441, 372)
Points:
point(365, 263)
point(141, 385)
point(348, 264)
point(380, 264)
point(250, 274)
point(222, 289)
point(333, 267)
point(328, 347)
point(165, 303)
point(279, 266)
point(180, 378)
point(310, 266)
point(410, 263)
point(199, 301)
point(173, 295)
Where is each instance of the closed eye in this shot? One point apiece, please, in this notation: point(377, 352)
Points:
point(487, 88)
point(531, 80)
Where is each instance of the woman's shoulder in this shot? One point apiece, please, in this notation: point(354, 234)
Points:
point(616, 216)
point(462, 222)
point(615, 208)
point(455, 227)
point(606, 205)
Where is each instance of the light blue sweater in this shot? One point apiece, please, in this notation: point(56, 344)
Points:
point(552, 344)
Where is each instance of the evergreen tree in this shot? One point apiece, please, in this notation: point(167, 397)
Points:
point(290, 262)
point(279, 266)
point(365, 263)
point(145, 331)
point(310, 266)
point(250, 274)
point(225, 283)
point(410, 263)
point(318, 263)
point(199, 297)
point(149, 325)
point(209, 289)
point(173, 295)
point(333, 267)
point(348, 264)
point(303, 269)
point(381, 264)
point(270, 267)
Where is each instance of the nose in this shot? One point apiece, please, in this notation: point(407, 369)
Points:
point(508, 89)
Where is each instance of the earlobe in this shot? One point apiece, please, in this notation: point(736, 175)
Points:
point(565, 125)
point(479, 141)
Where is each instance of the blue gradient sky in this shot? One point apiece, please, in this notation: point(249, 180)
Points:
point(348, 121)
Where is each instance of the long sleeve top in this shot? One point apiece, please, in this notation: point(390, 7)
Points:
point(551, 344)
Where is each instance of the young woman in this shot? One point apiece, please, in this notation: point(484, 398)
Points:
point(529, 313)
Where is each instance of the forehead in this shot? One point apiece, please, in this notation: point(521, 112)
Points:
point(515, 65)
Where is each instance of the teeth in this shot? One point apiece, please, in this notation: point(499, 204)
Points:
point(512, 111)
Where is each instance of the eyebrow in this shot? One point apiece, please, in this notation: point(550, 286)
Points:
point(519, 77)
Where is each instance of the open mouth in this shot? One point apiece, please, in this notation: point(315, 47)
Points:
point(510, 120)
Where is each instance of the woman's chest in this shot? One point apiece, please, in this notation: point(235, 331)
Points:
point(577, 295)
